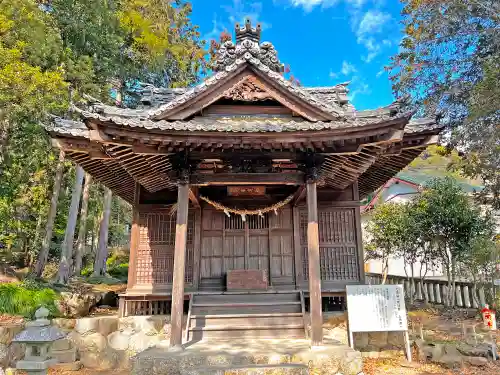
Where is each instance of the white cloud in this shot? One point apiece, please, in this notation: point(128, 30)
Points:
point(308, 5)
point(358, 87)
point(347, 68)
point(356, 3)
point(372, 23)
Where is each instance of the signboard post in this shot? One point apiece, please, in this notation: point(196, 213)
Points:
point(377, 308)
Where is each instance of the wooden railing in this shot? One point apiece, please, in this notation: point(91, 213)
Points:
point(466, 295)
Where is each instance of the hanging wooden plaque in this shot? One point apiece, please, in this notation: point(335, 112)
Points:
point(246, 191)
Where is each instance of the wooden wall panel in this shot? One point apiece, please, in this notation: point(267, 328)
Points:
point(282, 248)
point(155, 253)
point(338, 244)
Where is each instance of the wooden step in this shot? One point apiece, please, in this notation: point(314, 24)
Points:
point(229, 309)
point(247, 297)
point(238, 320)
point(248, 315)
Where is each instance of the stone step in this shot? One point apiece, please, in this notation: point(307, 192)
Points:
point(237, 320)
point(251, 331)
point(285, 369)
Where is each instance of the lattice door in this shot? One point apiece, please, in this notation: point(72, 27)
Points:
point(337, 241)
point(155, 253)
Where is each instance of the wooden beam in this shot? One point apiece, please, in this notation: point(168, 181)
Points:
point(97, 135)
point(193, 196)
point(179, 265)
point(299, 195)
point(201, 179)
point(314, 266)
point(430, 140)
point(98, 154)
point(142, 149)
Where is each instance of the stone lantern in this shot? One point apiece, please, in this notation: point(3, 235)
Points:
point(38, 338)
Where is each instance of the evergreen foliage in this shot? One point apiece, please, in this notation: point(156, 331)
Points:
point(449, 63)
point(53, 54)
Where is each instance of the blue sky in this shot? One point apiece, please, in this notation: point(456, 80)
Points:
point(325, 42)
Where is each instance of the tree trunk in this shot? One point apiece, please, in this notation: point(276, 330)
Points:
point(69, 235)
point(82, 232)
point(453, 281)
point(102, 248)
point(44, 250)
point(385, 269)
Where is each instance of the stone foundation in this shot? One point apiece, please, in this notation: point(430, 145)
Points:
point(102, 343)
point(240, 356)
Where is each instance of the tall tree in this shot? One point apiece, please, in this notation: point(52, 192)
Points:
point(449, 63)
point(49, 227)
point(385, 234)
point(452, 224)
point(69, 236)
point(102, 248)
point(82, 231)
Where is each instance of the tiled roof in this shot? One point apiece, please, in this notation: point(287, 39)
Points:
point(223, 124)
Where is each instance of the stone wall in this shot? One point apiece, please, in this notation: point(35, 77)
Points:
point(102, 343)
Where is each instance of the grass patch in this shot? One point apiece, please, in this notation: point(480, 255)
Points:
point(25, 298)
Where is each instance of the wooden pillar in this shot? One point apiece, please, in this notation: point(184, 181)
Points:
point(179, 265)
point(314, 265)
point(134, 238)
point(359, 235)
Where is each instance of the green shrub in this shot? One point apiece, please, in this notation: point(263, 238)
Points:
point(87, 271)
point(119, 271)
point(25, 298)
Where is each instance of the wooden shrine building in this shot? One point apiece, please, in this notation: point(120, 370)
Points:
point(244, 181)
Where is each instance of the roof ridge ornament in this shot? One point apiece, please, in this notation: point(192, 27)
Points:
point(248, 48)
point(247, 31)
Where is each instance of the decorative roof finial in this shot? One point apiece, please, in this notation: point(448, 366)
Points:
point(247, 48)
point(247, 32)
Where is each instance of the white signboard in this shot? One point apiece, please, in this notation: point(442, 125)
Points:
point(374, 308)
point(377, 308)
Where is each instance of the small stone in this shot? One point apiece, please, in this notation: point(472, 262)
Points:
point(360, 340)
point(396, 340)
point(476, 361)
point(75, 304)
point(64, 323)
point(103, 361)
point(94, 342)
point(378, 339)
point(8, 332)
point(107, 325)
point(480, 350)
point(87, 325)
point(119, 340)
point(437, 351)
point(141, 341)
